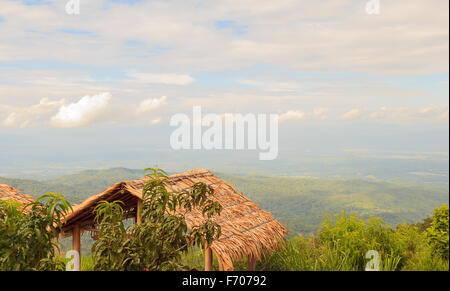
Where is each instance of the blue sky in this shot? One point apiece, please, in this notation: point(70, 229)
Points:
point(317, 64)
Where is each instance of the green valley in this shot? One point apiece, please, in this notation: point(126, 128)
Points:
point(299, 203)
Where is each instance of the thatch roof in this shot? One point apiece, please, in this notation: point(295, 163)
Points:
point(11, 193)
point(246, 229)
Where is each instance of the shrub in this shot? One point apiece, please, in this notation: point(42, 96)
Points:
point(438, 232)
point(28, 241)
point(352, 238)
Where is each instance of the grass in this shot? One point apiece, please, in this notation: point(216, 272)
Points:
point(87, 263)
point(195, 259)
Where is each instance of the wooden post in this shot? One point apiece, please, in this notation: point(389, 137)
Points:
point(208, 259)
point(138, 211)
point(76, 245)
point(251, 263)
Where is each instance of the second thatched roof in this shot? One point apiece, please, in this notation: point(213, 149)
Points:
point(246, 229)
point(10, 193)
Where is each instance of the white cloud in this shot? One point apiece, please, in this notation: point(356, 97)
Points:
point(292, 115)
point(352, 114)
point(399, 115)
point(340, 34)
point(83, 112)
point(271, 55)
point(385, 113)
point(155, 121)
point(26, 116)
point(87, 110)
point(272, 86)
point(427, 109)
point(443, 117)
point(151, 104)
point(434, 113)
point(14, 120)
point(167, 79)
point(295, 115)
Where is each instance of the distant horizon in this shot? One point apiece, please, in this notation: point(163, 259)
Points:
point(426, 169)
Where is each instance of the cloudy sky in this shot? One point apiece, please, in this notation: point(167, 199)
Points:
point(126, 66)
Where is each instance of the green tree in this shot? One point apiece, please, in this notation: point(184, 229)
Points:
point(163, 235)
point(109, 248)
point(28, 241)
point(438, 232)
point(352, 237)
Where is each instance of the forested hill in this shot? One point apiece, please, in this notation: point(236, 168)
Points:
point(75, 187)
point(36, 188)
point(98, 180)
point(300, 203)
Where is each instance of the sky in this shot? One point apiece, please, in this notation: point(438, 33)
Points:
point(109, 78)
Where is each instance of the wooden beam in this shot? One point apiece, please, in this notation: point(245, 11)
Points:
point(76, 245)
point(208, 259)
point(251, 263)
point(138, 211)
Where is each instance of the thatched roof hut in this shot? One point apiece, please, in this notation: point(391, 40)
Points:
point(246, 229)
point(11, 193)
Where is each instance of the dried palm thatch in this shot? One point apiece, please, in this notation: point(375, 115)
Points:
point(246, 229)
point(11, 193)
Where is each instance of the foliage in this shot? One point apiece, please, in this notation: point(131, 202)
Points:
point(305, 254)
point(87, 263)
point(163, 227)
point(27, 241)
point(109, 249)
point(342, 244)
point(424, 224)
point(354, 237)
point(300, 202)
point(438, 232)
